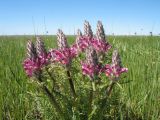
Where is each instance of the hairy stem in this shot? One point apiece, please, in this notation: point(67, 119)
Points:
point(91, 97)
point(52, 100)
point(54, 85)
point(93, 86)
point(71, 84)
point(104, 100)
point(50, 75)
point(50, 96)
point(110, 88)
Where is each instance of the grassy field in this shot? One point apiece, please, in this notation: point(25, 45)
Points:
point(140, 90)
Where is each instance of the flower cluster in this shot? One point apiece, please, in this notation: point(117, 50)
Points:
point(36, 57)
point(90, 51)
point(99, 43)
point(87, 43)
point(64, 53)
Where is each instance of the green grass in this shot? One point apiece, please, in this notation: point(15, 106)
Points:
point(140, 90)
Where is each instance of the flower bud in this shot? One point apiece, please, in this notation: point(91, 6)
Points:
point(87, 30)
point(31, 51)
point(61, 40)
point(41, 50)
point(116, 61)
point(79, 33)
point(100, 34)
point(91, 56)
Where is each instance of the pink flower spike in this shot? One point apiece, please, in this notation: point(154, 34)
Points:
point(36, 59)
point(114, 70)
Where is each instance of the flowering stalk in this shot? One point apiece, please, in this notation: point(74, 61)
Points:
point(43, 56)
point(91, 69)
point(63, 45)
point(101, 44)
point(33, 64)
point(114, 70)
point(41, 51)
point(100, 33)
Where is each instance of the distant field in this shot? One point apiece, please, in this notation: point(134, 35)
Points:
point(140, 92)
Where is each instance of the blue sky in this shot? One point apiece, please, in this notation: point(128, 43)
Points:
point(117, 16)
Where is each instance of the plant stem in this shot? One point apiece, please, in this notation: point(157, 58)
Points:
point(50, 75)
point(110, 87)
point(104, 100)
point(52, 100)
point(90, 99)
point(91, 96)
point(50, 96)
point(71, 84)
point(93, 86)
